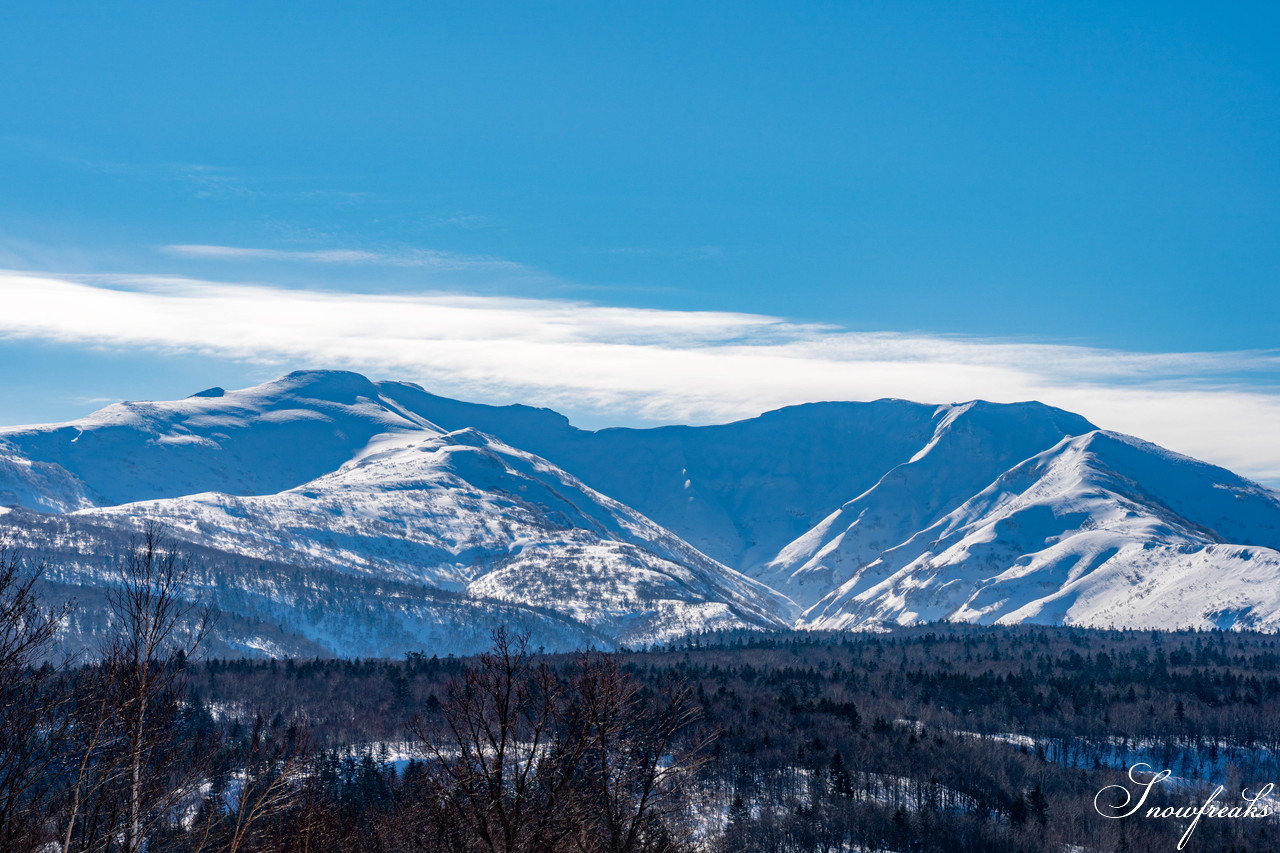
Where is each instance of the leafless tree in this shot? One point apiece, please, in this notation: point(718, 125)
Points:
point(524, 759)
point(30, 726)
point(130, 773)
point(95, 771)
point(268, 786)
point(499, 769)
point(633, 781)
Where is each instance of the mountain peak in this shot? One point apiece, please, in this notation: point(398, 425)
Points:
point(1005, 416)
point(336, 386)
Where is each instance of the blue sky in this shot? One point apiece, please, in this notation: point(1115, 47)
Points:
point(656, 211)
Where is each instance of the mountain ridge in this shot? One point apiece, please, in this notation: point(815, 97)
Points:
point(825, 515)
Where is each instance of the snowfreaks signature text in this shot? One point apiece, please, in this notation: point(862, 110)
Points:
point(1131, 802)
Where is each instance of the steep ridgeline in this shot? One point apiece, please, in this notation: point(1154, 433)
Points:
point(1102, 529)
point(844, 514)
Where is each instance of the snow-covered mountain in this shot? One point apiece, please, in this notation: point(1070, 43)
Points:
point(386, 495)
point(1102, 529)
point(333, 514)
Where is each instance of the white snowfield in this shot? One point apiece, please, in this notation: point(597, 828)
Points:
point(346, 516)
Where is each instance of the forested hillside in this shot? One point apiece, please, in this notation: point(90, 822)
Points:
point(934, 738)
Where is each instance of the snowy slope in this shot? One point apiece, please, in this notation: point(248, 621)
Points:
point(466, 513)
point(279, 609)
point(45, 486)
point(1102, 529)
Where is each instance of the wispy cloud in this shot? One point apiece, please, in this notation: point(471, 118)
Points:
point(462, 220)
point(208, 181)
point(656, 365)
point(701, 253)
point(434, 259)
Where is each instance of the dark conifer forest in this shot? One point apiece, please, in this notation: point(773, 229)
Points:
point(931, 738)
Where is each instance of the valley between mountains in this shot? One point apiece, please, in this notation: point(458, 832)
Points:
point(328, 514)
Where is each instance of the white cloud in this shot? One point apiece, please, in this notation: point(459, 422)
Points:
point(434, 259)
point(656, 365)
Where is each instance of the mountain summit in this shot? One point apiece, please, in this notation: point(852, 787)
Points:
point(338, 515)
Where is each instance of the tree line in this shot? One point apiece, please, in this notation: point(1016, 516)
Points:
point(934, 738)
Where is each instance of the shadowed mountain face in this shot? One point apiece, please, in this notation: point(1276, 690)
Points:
point(832, 515)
